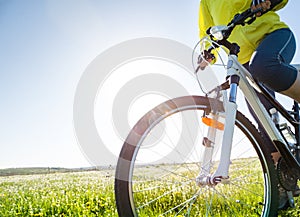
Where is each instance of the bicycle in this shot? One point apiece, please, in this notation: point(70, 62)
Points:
point(162, 175)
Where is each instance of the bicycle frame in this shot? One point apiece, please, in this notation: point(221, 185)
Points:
point(247, 86)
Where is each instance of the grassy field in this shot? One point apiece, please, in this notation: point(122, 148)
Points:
point(58, 194)
point(67, 194)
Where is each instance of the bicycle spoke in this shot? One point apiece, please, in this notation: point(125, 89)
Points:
point(168, 157)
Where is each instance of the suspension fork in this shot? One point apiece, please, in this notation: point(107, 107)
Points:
point(221, 174)
point(230, 112)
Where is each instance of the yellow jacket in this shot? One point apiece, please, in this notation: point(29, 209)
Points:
point(221, 12)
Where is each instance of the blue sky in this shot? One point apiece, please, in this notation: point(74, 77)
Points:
point(45, 46)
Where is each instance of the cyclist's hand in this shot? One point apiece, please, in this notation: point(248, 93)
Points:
point(261, 6)
point(204, 59)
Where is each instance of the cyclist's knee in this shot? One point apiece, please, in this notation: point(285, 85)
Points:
point(272, 71)
point(259, 66)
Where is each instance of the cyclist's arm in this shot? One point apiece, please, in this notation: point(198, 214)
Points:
point(278, 4)
point(265, 5)
point(205, 21)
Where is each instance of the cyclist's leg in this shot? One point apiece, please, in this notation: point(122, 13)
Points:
point(283, 198)
point(270, 63)
point(294, 90)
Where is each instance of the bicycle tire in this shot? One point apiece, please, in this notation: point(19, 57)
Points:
point(136, 185)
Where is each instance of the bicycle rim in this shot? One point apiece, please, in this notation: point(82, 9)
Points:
point(161, 158)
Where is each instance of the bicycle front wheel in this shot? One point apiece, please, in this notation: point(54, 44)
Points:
point(161, 158)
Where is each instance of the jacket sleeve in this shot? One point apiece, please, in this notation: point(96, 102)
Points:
point(278, 4)
point(205, 19)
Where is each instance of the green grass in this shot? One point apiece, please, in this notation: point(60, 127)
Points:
point(176, 189)
point(60, 194)
point(92, 194)
point(159, 193)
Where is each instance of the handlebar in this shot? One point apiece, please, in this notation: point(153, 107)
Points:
point(240, 19)
point(220, 34)
point(246, 17)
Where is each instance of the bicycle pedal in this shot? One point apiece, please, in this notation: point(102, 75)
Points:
point(291, 199)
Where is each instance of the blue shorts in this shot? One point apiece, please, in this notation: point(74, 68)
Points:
point(270, 63)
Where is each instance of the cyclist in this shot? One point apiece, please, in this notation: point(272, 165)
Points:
point(267, 46)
